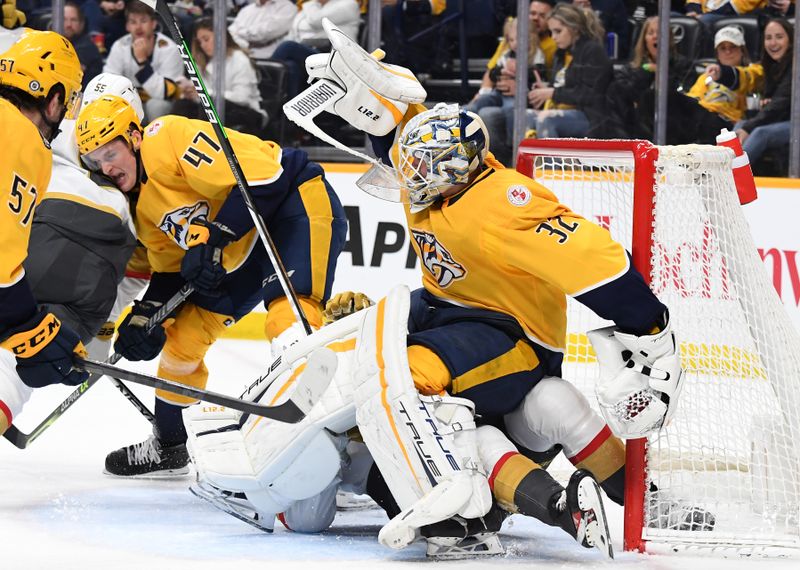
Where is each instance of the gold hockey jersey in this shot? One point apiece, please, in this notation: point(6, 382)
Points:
point(505, 243)
point(186, 176)
point(25, 166)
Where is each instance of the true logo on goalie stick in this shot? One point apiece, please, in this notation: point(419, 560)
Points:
point(176, 223)
point(313, 99)
point(437, 259)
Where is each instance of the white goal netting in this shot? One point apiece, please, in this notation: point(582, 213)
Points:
point(733, 448)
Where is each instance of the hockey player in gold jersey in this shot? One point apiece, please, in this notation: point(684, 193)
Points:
point(499, 256)
point(40, 81)
point(194, 223)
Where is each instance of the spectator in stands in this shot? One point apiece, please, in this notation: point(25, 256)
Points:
point(780, 8)
point(575, 104)
point(75, 32)
point(722, 89)
point(259, 27)
point(402, 19)
point(242, 98)
point(112, 24)
point(770, 127)
point(505, 65)
point(631, 96)
point(307, 36)
point(148, 58)
point(710, 11)
point(498, 120)
point(614, 17)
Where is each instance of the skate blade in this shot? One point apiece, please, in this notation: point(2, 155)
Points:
point(235, 510)
point(597, 533)
point(478, 546)
point(180, 473)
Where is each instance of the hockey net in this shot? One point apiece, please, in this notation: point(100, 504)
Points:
point(733, 447)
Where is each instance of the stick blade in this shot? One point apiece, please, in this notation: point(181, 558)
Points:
point(317, 376)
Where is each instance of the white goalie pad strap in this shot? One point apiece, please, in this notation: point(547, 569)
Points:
point(641, 380)
point(425, 447)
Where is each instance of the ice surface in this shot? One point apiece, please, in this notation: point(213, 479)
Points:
point(57, 509)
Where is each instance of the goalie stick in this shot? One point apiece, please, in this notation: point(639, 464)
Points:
point(164, 11)
point(308, 388)
point(23, 440)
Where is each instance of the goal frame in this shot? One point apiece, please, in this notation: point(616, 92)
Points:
point(644, 155)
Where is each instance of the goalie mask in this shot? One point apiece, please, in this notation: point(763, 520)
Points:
point(438, 149)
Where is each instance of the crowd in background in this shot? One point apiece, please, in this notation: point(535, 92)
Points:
point(591, 63)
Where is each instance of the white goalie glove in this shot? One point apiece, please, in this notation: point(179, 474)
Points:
point(370, 95)
point(641, 380)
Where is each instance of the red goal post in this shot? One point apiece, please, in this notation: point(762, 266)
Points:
point(732, 449)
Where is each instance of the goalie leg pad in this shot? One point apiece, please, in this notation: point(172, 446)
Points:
point(424, 446)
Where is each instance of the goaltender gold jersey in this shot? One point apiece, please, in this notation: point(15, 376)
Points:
point(506, 244)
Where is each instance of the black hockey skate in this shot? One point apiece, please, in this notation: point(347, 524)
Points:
point(149, 459)
point(459, 538)
point(586, 506)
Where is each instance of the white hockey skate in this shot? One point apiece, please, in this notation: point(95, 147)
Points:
point(586, 505)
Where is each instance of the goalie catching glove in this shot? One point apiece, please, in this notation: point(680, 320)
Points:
point(376, 95)
point(641, 379)
point(45, 350)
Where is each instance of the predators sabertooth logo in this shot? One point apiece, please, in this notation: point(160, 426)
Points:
point(437, 260)
point(176, 223)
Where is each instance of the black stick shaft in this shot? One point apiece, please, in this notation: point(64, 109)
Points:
point(22, 440)
point(211, 114)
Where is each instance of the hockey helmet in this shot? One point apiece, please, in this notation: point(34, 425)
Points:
point(437, 149)
point(39, 61)
point(102, 121)
point(113, 84)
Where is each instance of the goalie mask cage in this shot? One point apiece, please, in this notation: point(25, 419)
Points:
point(733, 447)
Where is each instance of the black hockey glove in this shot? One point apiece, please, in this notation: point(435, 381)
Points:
point(45, 350)
point(202, 264)
point(133, 342)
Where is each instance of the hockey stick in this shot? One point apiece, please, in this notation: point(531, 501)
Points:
point(164, 11)
point(22, 440)
point(309, 387)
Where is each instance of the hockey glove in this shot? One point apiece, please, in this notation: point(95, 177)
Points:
point(45, 350)
point(133, 342)
point(344, 304)
point(11, 16)
point(202, 264)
